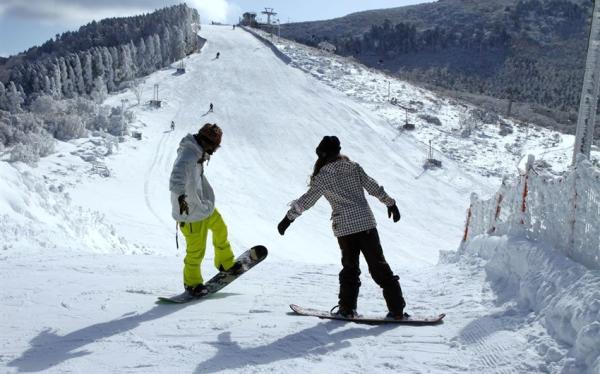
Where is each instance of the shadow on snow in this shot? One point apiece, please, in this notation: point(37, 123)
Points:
point(318, 340)
point(49, 349)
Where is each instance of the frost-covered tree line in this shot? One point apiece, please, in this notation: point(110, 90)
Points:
point(55, 91)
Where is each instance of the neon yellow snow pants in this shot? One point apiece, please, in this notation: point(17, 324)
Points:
point(195, 234)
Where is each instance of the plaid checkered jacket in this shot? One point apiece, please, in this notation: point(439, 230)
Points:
point(342, 183)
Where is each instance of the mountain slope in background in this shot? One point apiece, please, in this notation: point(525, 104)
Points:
point(528, 51)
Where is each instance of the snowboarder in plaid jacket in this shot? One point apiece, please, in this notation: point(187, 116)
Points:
point(343, 182)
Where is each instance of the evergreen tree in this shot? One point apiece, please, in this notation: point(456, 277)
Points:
point(3, 99)
point(14, 98)
point(88, 75)
point(178, 44)
point(78, 70)
point(165, 41)
point(56, 81)
point(99, 91)
point(142, 57)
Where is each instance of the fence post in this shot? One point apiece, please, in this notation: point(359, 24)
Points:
point(529, 167)
point(497, 212)
point(570, 248)
point(469, 214)
point(466, 233)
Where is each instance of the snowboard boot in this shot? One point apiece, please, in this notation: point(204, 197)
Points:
point(236, 268)
point(343, 312)
point(197, 290)
point(397, 316)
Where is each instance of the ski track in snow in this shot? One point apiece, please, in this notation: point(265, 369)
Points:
point(83, 312)
point(160, 150)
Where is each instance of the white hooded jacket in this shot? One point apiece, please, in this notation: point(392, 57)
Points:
point(187, 177)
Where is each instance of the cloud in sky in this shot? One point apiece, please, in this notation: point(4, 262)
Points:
point(216, 10)
point(78, 12)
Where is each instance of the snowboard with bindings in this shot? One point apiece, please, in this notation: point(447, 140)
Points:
point(371, 320)
point(243, 263)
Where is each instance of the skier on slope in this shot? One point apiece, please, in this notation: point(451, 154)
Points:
point(342, 181)
point(193, 203)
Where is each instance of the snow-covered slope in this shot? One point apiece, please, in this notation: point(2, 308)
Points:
point(76, 305)
point(485, 149)
point(273, 116)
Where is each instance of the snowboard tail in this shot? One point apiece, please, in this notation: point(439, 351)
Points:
point(372, 320)
point(243, 263)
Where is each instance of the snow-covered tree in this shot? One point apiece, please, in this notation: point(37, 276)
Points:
point(157, 51)
point(71, 81)
point(14, 98)
point(67, 89)
point(78, 70)
point(125, 71)
point(150, 53)
point(99, 90)
point(3, 99)
point(109, 74)
point(69, 127)
point(133, 59)
point(88, 76)
point(166, 51)
point(178, 44)
point(46, 105)
point(98, 63)
point(142, 56)
point(137, 89)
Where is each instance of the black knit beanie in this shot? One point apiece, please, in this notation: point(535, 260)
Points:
point(329, 146)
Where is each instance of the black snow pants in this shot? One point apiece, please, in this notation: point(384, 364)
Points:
point(368, 243)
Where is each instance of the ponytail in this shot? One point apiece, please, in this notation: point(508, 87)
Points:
point(322, 161)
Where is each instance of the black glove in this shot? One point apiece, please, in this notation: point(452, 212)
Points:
point(394, 213)
point(183, 205)
point(284, 224)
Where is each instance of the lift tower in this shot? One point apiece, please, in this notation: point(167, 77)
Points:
point(586, 119)
point(269, 12)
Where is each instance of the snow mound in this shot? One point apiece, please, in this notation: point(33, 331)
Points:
point(36, 216)
point(564, 294)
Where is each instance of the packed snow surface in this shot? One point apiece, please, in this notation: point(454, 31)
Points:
point(86, 248)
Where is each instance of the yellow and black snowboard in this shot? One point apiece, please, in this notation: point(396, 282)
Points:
point(243, 263)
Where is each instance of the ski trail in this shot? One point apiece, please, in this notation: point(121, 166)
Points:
point(149, 179)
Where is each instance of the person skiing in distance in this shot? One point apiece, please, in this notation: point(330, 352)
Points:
point(218, 54)
point(210, 108)
point(193, 206)
point(342, 182)
point(172, 125)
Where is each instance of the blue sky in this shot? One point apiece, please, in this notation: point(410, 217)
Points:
point(25, 23)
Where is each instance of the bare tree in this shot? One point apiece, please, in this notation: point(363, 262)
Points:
point(137, 89)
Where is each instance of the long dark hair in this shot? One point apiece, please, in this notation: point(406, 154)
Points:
point(322, 161)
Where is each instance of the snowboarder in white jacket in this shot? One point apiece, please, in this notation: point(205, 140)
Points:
point(193, 204)
point(343, 182)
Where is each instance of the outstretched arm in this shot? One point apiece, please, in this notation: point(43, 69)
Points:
point(305, 202)
point(374, 189)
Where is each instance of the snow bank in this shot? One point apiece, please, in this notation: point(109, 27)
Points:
point(564, 294)
point(540, 236)
point(563, 210)
point(282, 56)
point(34, 215)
